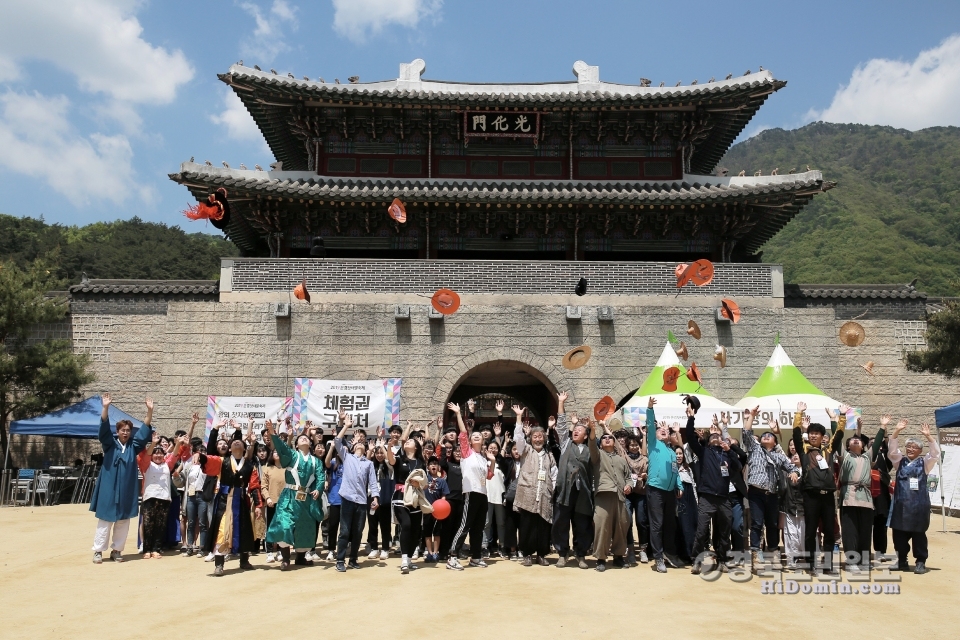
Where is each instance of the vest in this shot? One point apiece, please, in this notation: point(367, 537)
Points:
point(911, 508)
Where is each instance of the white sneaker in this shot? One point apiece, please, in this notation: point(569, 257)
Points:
point(454, 565)
point(270, 557)
point(329, 556)
point(209, 557)
point(416, 555)
point(373, 555)
point(405, 567)
point(384, 555)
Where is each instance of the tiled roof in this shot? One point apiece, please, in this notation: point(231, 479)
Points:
point(939, 304)
point(165, 287)
point(852, 291)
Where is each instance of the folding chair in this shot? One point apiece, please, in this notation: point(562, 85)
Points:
point(21, 493)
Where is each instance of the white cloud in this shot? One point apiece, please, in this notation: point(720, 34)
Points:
point(37, 140)
point(911, 95)
point(97, 41)
point(356, 19)
point(268, 40)
point(237, 120)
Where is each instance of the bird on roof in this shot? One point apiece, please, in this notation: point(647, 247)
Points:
point(748, 72)
point(290, 75)
point(83, 277)
point(723, 171)
point(257, 67)
point(679, 82)
point(729, 75)
point(353, 79)
point(913, 284)
point(208, 163)
point(644, 82)
point(712, 79)
point(258, 167)
point(336, 80)
point(191, 159)
point(694, 82)
point(808, 168)
point(306, 78)
point(742, 173)
point(273, 71)
point(243, 166)
point(662, 84)
point(761, 67)
point(277, 166)
point(775, 172)
point(758, 173)
point(225, 165)
point(239, 63)
point(793, 170)
point(321, 80)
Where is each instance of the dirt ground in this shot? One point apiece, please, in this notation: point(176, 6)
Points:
point(52, 590)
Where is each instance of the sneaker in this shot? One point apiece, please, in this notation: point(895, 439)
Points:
point(562, 562)
point(191, 551)
point(672, 562)
point(643, 556)
point(384, 555)
point(463, 556)
point(115, 556)
point(209, 557)
point(582, 562)
point(373, 555)
point(478, 563)
point(271, 558)
point(341, 567)
point(527, 561)
point(97, 557)
point(660, 566)
point(454, 565)
point(412, 567)
point(618, 562)
point(330, 556)
point(601, 565)
point(183, 551)
point(921, 567)
point(353, 564)
point(697, 568)
point(405, 568)
point(543, 561)
point(218, 570)
point(485, 555)
point(416, 555)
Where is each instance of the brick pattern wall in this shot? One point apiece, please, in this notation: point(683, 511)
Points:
point(875, 308)
point(491, 276)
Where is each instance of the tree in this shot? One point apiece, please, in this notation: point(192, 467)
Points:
point(36, 375)
point(943, 344)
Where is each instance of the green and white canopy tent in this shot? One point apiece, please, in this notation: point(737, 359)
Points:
point(670, 405)
point(778, 390)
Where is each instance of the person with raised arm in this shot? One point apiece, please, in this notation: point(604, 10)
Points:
point(817, 482)
point(535, 488)
point(611, 482)
point(910, 512)
point(856, 502)
point(156, 466)
point(294, 523)
point(880, 467)
point(359, 485)
point(476, 467)
point(663, 486)
point(574, 493)
point(409, 517)
point(764, 466)
point(117, 489)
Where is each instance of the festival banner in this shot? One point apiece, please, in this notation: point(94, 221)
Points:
point(371, 403)
point(242, 409)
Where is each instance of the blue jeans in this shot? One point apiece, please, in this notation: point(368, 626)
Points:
point(636, 505)
point(736, 523)
point(764, 514)
point(197, 514)
point(352, 517)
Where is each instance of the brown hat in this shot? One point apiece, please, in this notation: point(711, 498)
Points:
point(693, 329)
point(693, 374)
point(730, 310)
point(604, 408)
point(445, 301)
point(868, 367)
point(577, 357)
point(397, 211)
point(852, 334)
point(300, 291)
point(699, 273)
point(721, 356)
point(682, 351)
point(670, 377)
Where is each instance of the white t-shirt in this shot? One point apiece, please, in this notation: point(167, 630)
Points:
point(156, 481)
point(474, 471)
point(495, 487)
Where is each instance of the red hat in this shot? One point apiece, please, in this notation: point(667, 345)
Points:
point(445, 301)
point(605, 407)
point(670, 377)
point(300, 291)
point(397, 211)
point(699, 273)
point(693, 374)
point(730, 310)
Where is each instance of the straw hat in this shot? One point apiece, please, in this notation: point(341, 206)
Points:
point(577, 357)
point(445, 301)
point(852, 334)
point(868, 367)
point(682, 351)
point(720, 355)
point(693, 329)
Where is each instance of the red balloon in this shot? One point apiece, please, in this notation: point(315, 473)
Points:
point(441, 508)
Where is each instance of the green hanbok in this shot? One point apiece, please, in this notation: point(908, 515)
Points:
point(295, 520)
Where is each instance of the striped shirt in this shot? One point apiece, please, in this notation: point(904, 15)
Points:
point(762, 465)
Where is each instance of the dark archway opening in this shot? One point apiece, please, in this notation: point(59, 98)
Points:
point(508, 379)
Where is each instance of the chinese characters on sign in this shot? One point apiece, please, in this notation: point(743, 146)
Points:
point(501, 124)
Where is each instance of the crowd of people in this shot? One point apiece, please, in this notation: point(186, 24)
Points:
point(661, 494)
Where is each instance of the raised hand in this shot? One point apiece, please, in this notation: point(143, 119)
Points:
point(497, 429)
point(491, 457)
point(551, 422)
point(831, 413)
point(725, 416)
point(844, 409)
point(196, 418)
point(562, 396)
point(105, 398)
point(925, 430)
point(342, 415)
point(885, 419)
point(805, 422)
point(500, 405)
point(517, 409)
point(149, 403)
point(453, 407)
point(574, 420)
point(774, 426)
point(650, 402)
point(268, 425)
point(900, 427)
point(715, 428)
point(801, 407)
point(348, 421)
point(755, 412)
point(714, 423)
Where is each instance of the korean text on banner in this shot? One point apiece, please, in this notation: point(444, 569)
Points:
point(243, 409)
point(371, 403)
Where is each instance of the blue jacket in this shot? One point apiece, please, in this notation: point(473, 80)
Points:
point(118, 489)
point(662, 469)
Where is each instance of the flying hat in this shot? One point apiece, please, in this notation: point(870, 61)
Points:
point(581, 287)
point(693, 401)
point(300, 291)
point(216, 209)
point(682, 351)
point(852, 334)
point(693, 329)
point(577, 357)
point(699, 273)
point(730, 310)
point(604, 408)
point(868, 367)
point(720, 355)
point(693, 373)
point(397, 211)
point(445, 301)
point(670, 377)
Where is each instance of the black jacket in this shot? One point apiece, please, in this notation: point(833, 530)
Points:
point(707, 469)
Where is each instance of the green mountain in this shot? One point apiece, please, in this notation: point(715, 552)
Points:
point(894, 215)
point(122, 249)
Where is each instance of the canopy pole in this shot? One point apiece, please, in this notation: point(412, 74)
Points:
point(943, 507)
point(6, 456)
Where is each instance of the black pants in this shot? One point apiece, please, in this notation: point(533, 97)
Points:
point(450, 526)
point(333, 525)
point(716, 510)
point(410, 524)
point(764, 514)
point(902, 540)
point(379, 520)
point(351, 529)
point(512, 527)
point(473, 520)
point(687, 516)
point(819, 510)
point(154, 523)
point(856, 529)
point(534, 535)
point(662, 509)
point(880, 532)
point(563, 516)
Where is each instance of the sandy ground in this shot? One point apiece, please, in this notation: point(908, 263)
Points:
point(50, 589)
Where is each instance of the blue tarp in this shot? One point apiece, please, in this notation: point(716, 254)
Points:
point(948, 417)
point(80, 420)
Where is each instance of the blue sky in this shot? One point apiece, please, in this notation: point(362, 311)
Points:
point(101, 99)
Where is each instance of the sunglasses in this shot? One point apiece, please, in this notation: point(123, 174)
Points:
point(606, 437)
